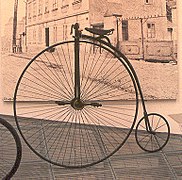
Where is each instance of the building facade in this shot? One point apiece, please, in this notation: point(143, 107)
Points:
point(7, 37)
point(147, 28)
point(140, 25)
point(50, 21)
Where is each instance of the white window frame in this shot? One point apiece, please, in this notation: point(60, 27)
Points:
point(151, 32)
point(29, 10)
point(65, 32)
point(55, 31)
point(34, 36)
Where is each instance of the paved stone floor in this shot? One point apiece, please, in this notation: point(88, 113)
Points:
point(130, 162)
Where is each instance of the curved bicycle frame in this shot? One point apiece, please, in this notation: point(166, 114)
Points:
point(130, 67)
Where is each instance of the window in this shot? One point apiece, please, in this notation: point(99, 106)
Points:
point(47, 36)
point(55, 4)
point(40, 7)
point(46, 6)
point(34, 9)
point(150, 30)
point(148, 1)
point(65, 5)
point(55, 34)
point(65, 35)
point(168, 13)
point(29, 10)
point(125, 30)
point(170, 30)
point(34, 36)
point(76, 2)
point(40, 34)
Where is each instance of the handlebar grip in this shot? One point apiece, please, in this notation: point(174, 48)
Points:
point(74, 26)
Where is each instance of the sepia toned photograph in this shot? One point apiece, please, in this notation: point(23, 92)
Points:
point(146, 35)
point(77, 77)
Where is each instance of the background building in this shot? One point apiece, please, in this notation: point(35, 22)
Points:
point(50, 21)
point(145, 28)
point(148, 29)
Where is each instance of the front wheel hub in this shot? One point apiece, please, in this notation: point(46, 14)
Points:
point(77, 104)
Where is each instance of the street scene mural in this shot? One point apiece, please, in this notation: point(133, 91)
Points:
point(145, 31)
point(77, 73)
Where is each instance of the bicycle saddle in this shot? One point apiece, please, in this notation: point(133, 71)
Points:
point(100, 32)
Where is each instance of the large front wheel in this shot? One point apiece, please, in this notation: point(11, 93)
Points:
point(68, 131)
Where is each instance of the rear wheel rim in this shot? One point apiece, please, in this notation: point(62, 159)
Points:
point(153, 142)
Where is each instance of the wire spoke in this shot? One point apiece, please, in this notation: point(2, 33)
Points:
point(154, 134)
point(69, 131)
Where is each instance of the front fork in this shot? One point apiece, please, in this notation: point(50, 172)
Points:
point(146, 117)
point(147, 123)
point(76, 102)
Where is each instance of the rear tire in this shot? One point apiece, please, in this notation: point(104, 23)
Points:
point(152, 142)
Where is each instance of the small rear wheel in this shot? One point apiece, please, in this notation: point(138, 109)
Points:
point(157, 138)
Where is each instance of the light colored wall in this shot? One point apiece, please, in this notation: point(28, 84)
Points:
point(97, 10)
point(64, 15)
point(61, 12)
point(35, 45)
point(8, 30)
point(151, 13)
point(8, 33)
point(137, 8)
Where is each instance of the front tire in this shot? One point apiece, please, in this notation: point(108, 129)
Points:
point(61, 134)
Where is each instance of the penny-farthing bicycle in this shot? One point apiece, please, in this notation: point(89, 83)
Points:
point(76, 103)
point(10, 150)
